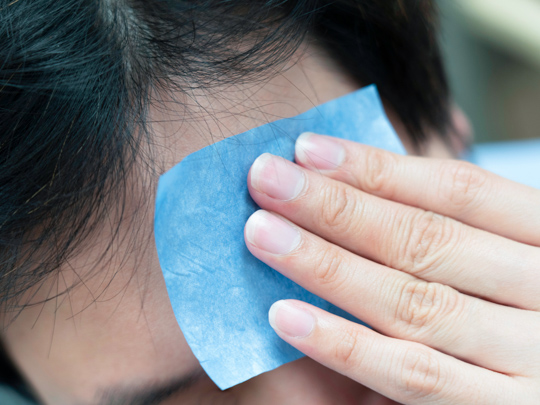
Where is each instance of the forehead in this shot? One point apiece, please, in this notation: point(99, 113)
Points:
point(201, 118)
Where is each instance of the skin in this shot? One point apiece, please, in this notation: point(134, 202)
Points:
point(439, 256)
point(114, 331)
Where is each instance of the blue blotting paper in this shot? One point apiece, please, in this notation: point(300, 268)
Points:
point(219, 292)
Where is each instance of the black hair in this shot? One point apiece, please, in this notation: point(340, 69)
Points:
point(77, 77)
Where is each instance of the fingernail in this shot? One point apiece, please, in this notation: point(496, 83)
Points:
point(319, 152)
point(277, 177)
point(272, 234)
point(290, 319)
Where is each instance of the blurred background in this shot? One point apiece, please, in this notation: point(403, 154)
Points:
point(492, 52)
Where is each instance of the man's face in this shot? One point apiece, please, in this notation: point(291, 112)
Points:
point(114, 338)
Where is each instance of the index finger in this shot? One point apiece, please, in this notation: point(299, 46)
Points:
point(456, 189)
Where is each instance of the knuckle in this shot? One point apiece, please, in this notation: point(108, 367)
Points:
point(461, 184)
point(427, 240)
point(339, 206)
point(378, 171)
point(329, 268)
point(421, 375)
point(422, 305)
point(346, 350)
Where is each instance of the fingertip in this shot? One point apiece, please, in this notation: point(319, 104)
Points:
point(319, 152)
point(291, 320)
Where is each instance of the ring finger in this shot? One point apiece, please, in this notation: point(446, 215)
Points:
point(393, 302)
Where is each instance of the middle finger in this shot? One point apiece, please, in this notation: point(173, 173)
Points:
point(423, 244)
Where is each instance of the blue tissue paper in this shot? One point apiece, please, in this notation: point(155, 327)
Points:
point(219, 292)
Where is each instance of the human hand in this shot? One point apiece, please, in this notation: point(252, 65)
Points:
point(441, 258)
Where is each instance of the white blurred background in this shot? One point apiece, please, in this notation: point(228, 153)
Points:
point(492, 53)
